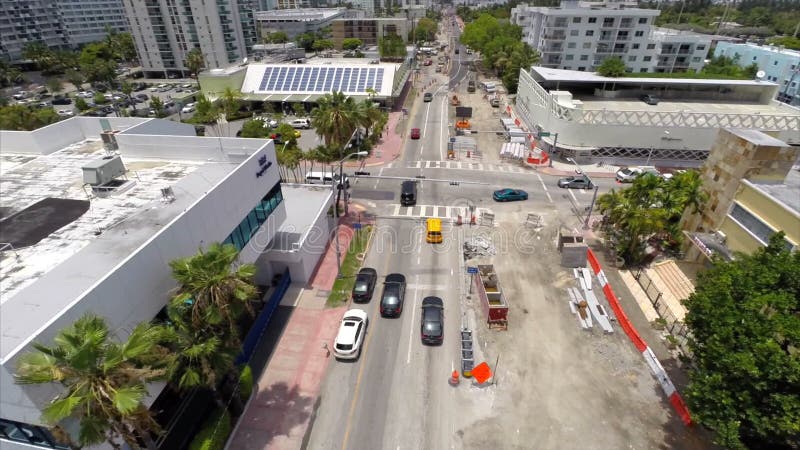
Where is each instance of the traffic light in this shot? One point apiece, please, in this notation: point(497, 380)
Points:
point(361, 173)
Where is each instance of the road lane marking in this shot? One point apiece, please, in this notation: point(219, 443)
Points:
point(444, 129)
point(396, 210)
point(380, 173)
point(425, 127)
point(544, 187)
point(573, 195)
point(409, 210)
point(413, 315)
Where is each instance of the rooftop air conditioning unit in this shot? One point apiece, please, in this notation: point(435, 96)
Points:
point(102, 171)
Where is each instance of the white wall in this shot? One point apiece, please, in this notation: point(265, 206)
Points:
point(193, 148)
point(162, 127)
point(54, 137)
point(140, 286)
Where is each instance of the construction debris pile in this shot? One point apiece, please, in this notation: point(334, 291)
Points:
point(478, 246)
point(585, 305)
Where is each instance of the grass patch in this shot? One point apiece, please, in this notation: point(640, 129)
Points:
point(340, 292)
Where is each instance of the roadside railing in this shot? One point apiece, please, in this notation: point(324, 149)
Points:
point(678, 331)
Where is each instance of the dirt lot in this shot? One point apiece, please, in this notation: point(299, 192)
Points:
point(558, 386)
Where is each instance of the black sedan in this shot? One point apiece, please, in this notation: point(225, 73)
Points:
point(432, 323)
point(394, 292)
point(578, 182)
point(509, 195)
point(364, 285)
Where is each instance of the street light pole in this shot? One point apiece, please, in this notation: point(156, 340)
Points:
point(594, 195)
point(336, 207)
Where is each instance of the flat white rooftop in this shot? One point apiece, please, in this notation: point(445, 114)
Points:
point(299, 15)
point(302, 203)
point(562, 75)
point(99, 239)
point(787, 192)
point(774, 108)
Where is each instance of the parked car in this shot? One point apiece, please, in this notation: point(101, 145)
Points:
point(86, 94)
point(432, 322)
point(427, 62)
point(186, 86)
point(427, 97)
point(628, 174)
point(364, 285)
point(577, 182)
point(351, 335)
point(495, 102)
point(509, 195)
point(65, 112)
point(62, 101)
point(649, 99)
point(142, 96)
point(268, 121)
point(300, 123)
point(394, 291)
point(187, 108)
point(415, 133)
point(20, 95)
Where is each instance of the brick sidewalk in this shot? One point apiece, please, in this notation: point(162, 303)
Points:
point(285, 396)
point(389, 146)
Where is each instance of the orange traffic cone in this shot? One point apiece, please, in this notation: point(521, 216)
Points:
point(453, 381)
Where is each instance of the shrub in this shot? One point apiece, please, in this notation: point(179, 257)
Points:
point(245, 383)
point(214, 433)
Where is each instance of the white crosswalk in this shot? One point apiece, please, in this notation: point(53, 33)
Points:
point(441, 212)
point(464, 165)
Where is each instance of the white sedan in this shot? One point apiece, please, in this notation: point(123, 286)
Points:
point(65, 112)
point(351, 335)
point(187, 108)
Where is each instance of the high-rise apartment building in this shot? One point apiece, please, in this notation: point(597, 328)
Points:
point(580, 35)
point(58, 24)
point(165, 31)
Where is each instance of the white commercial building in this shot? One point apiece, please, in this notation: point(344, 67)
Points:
point(580, 35)
point(596, 118)
point(295, 22)
point(780, 65)
point(165, 33)
point(95, 209)
point(58, 24)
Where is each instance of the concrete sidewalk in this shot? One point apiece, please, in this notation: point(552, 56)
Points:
point(285, 395)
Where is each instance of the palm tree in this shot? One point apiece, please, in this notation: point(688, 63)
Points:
point(201, 357)
point(370, 115)
point(230, 102)
point(195, 61)
point(105, 382)
point(335, 118)
point(217, 291)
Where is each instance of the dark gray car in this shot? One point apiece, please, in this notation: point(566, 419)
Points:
point(364, 285)
point(394, 292)
point(576, 182)
point(432, 323)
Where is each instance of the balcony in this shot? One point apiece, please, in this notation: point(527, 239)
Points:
point(554, 36)
point(553, 49)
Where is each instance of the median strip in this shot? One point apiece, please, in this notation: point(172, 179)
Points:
point(340, 292)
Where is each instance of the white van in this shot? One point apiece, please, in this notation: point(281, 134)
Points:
point(325, 178)
point(489, 87)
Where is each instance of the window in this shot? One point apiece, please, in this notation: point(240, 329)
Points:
point(643, 20)
point(754, 58)
point(775, 63)
point(639, 33)
point(592, 19)
point(608, 21)
point(576, 20)
point(697, 59)
point(635, 46)
point(643, 70)
point(574, 32)
point(241, 235)
point(589, 32)
point(631, 58)
point(569, 57)
point(571, 45)
point(754, 225)
point(581, 69)
point(28, 434)
point(584, 57)
point(701, 47)
point(587, 45)
point(647, 58)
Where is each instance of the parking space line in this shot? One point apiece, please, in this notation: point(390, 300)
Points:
point(573, 195)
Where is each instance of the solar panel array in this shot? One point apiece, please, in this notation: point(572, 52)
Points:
point(321, 79)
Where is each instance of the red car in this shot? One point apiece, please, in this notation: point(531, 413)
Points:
point(428, 62)
point(415, 133)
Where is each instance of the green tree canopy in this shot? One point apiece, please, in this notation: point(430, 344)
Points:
point(322, 44)
point(105, 381)
point(425, 30)
point(790, 42)
point(276, 37)
point(651, 207)
point(306, 41)
point(205, 111)
point(195, 61)
point(391, 46)
point(501, 47)
point(254, 129)
point(25, 118)
point(612, 67)
point(157, 105)
point(351, 43)
point(744, 318)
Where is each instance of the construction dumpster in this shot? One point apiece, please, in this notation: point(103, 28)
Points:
point(491, 297)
